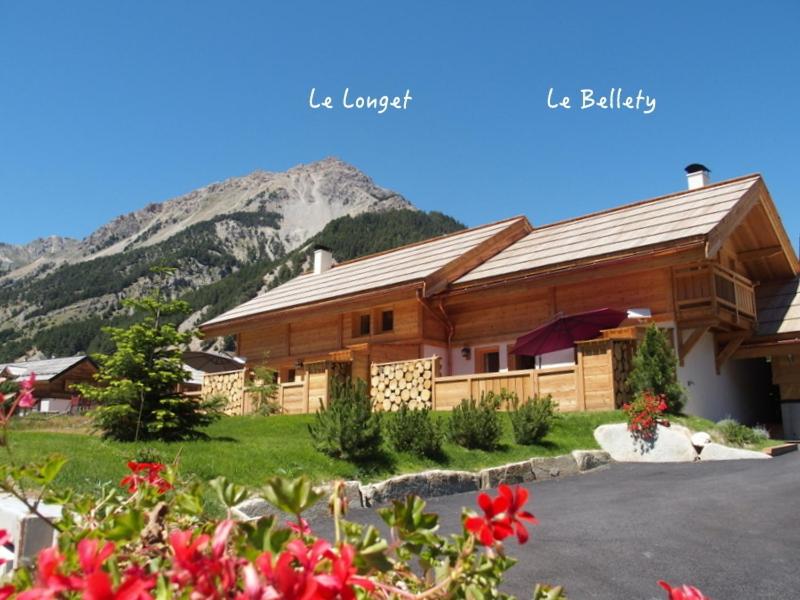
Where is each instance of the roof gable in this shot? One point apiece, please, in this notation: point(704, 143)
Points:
point(778, 308)
point(430, 264)
point(669, 219)
point(45, 370)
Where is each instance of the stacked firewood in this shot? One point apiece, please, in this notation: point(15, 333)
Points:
point(407, 383)
point(623, 363)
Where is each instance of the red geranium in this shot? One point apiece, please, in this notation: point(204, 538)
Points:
point(502, 516)
point(143, 474)
point(685, 592)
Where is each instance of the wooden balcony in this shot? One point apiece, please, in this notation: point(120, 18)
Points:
point(708, 293)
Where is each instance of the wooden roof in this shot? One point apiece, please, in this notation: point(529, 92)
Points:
point(680, 216)
point(46, 370)
point(778, 308)
point(416, 263)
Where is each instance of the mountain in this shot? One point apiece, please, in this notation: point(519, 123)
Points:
point(227, 241)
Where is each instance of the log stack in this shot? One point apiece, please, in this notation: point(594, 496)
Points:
point(408, 383)
point(623, 363)
point(229, 384)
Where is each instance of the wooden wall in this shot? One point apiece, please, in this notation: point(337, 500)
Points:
point(508, 311)
point(61, 386)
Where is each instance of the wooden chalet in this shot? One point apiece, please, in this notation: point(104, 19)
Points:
point(55, 378)
point(448, 311)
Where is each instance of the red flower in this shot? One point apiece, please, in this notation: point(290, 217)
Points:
point(49, 582)
point(343, 576)
point(502, 516)
point(145, 474)
point(494, 524)
point(6, 591)
point(91, 556)
point(516, 502)
point(685, 592)
point(135, 586)
point(5, 539)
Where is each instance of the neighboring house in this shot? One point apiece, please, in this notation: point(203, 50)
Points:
point(692, 260)
point(54, 379)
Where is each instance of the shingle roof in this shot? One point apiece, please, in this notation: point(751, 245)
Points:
point(671, 218)
point(45, 369)
point(778, 307)
point(407, 264)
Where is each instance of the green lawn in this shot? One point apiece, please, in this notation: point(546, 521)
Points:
point(249, 449)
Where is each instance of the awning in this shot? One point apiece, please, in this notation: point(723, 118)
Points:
point(564, 330)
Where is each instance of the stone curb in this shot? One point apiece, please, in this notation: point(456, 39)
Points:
point(441, 482)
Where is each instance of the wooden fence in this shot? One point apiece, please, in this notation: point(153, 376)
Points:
point(594, 382)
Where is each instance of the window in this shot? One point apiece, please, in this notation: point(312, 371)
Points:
point(387, 320)
point(290, 375)
point(364, 325)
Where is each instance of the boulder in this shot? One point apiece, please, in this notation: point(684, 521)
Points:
point(714, 451)
point(519, 472)
point(256, 507)
point(701, 439)
point(590, 459)
point(554, 466)
point(671, 444)
point(426, 484)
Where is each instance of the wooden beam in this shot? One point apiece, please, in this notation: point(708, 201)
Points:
point(439, 280)
point(729, 349)
point(723, 230)
point(758, 253)
point(685, 346)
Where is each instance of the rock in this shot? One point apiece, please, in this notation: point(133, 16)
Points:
point(352, 493)
point(672, 444)
point(426, 484)
point(252, 509)
point(590, 459)
point(555, 466)
point(714, 451)
point(256, 507)
point(519, 472)
point(701, 439)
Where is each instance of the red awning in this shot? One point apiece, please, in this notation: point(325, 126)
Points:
point(563, 331)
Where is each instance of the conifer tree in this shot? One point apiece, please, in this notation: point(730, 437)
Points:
point(137, 384)
point(655, 367)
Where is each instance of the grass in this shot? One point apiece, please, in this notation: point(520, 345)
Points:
point(249, 449)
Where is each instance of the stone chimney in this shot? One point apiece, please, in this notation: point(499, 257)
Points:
point(323, 259)
point(697, 175)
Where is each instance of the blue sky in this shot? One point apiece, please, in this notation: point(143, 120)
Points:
point(107, 106)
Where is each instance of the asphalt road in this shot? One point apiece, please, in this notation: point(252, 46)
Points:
point(730, 528)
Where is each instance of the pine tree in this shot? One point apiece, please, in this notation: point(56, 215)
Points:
point(136, 384)
point(655, 367)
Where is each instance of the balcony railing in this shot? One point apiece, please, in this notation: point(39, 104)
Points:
point(709, 291)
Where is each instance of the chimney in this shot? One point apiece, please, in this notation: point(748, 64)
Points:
point(322, 259)
point(697, 175)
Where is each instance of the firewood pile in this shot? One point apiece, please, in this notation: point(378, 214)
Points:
point(407, 383)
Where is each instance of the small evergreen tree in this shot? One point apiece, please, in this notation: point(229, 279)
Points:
point(263, 387)
point(347, 427)
point(655, 367)
point(137, 383)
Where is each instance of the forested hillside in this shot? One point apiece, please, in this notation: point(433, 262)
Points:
point(240, 278)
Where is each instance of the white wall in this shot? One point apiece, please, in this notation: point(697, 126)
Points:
point(54, 405)
point(441, 351)
point(462, 366)
point(736, 392)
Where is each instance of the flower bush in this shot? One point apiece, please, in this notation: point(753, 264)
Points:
point(644, 416)
point(151, 537)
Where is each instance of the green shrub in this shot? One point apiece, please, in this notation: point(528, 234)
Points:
point(347, 427)
point(532, 419)
point(476, 424)
point(734, 433)
point(263, 389)
point(415, 431)
point(655, 367)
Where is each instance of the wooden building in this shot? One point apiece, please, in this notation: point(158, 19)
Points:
point(55, 378)
point(692, 260)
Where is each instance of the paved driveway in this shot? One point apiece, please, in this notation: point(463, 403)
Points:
point(730, 528)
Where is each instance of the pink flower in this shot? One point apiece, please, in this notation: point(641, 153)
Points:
point(5, 540)
point(685, 592)
point(301, 528)
point(26, 399)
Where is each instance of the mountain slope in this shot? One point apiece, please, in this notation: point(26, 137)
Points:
point(348, 237)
